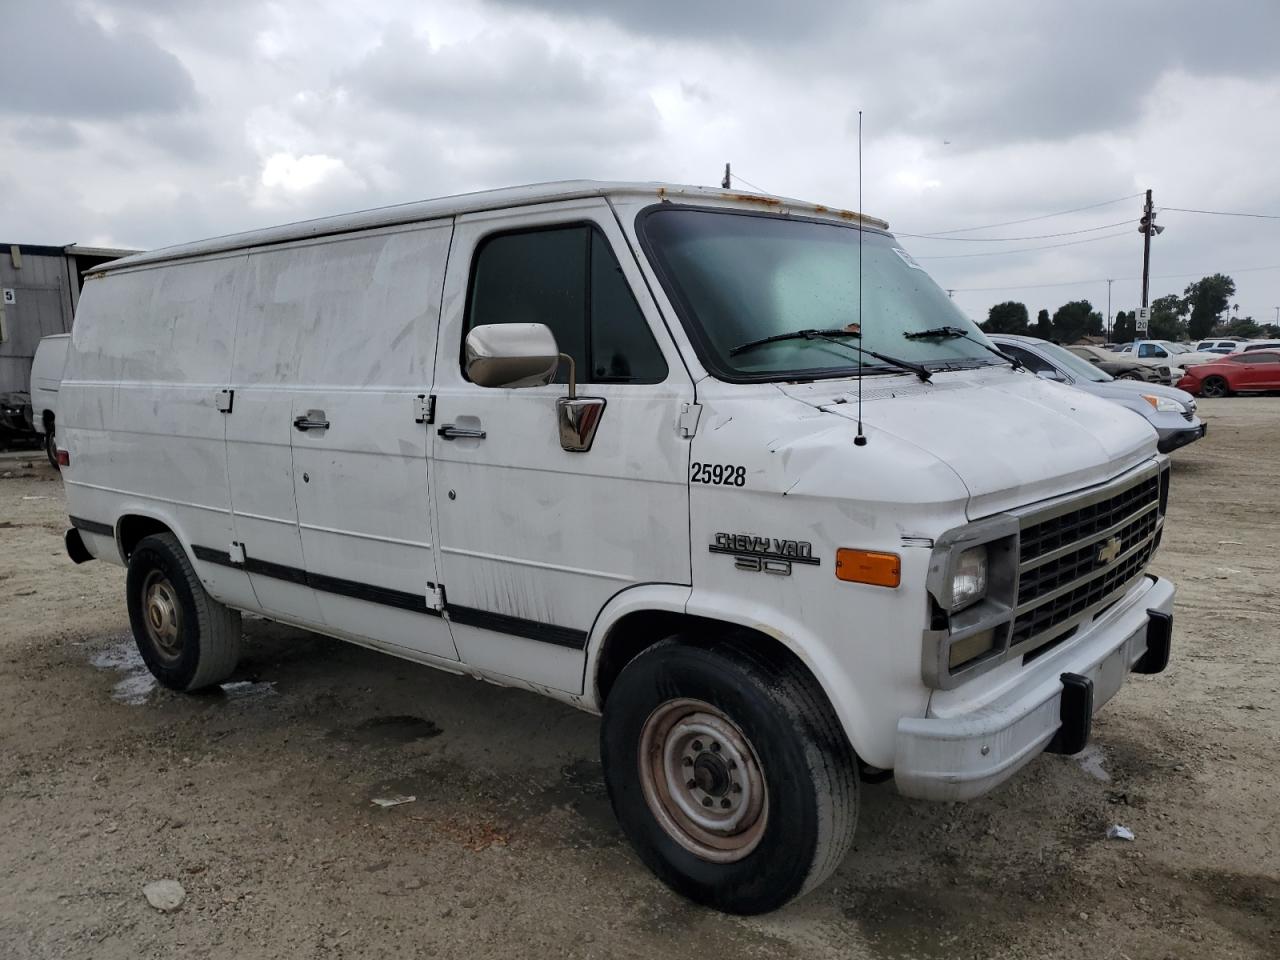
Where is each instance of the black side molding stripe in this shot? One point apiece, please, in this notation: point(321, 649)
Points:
point(93, 526)
point(466, 616)
point(520, 627)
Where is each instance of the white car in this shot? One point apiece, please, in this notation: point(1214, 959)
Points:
point(1166, 351)
point(46, 377)
point(642, 448)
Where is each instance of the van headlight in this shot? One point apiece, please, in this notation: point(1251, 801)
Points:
point(1164, 404)
point(969, 581)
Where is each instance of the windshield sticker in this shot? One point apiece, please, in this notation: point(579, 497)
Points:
point(906, 258)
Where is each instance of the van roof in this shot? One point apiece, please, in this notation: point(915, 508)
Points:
point(421, 210)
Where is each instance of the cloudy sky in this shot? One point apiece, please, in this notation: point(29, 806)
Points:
point(147, 122)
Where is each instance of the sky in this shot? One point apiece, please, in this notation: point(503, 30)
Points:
point(141, 123)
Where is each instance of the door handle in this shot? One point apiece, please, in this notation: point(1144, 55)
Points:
point(311, 420)
point(451, 431)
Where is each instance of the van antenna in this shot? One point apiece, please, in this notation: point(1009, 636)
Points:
point(860, 440)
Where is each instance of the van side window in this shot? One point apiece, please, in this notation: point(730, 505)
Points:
point(569, 279)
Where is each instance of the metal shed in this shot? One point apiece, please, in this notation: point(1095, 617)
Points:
point(41, 288)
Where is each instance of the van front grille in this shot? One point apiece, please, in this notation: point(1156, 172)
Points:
point(1075, 560)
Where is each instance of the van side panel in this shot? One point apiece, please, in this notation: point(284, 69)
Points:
point(150, 351)
point(370, 305)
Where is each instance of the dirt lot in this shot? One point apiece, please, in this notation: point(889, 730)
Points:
point(258, 798)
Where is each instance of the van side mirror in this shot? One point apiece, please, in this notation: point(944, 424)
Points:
point(511, 355)
point(526, 355)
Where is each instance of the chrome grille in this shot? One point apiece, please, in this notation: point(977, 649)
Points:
point(1077, 558)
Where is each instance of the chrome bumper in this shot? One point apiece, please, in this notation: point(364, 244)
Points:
point(962, 756)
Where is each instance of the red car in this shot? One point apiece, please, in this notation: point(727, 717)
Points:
point(1236, 373)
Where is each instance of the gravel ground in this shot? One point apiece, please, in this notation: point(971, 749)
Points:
point(258, 798)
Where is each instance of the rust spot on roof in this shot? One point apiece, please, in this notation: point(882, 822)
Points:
point(753, 198)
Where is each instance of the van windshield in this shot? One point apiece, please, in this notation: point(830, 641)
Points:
point(739, 277)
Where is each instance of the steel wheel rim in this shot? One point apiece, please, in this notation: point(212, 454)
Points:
point(162, 616)
point(703, 781)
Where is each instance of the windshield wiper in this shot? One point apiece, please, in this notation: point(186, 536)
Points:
point(830, 336)
point(954, 333)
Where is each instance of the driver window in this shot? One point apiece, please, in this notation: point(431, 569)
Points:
point(567, 278)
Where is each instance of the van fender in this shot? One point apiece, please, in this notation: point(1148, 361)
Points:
point(662, 597)
point(852, 707)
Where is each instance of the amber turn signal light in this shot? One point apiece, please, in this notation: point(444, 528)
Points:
point(868, 566)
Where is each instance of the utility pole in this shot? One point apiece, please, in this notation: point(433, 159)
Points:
point(1109, 283)
point(727, 182)
point(1146, 246)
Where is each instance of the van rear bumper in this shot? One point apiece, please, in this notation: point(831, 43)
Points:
point(964, 756)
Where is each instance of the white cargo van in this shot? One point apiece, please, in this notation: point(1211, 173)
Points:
point(729, 469)
point(46, 379)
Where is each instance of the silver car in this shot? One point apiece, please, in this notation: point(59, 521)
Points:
point(1171, 411)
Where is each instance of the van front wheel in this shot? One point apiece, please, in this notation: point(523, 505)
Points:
point(729, 774)
point(187, 639)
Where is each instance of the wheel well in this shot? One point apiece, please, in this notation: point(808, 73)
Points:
point(636, 632)
point(47, 417)
point(132, 529)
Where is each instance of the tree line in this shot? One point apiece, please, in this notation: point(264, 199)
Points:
point(1202, 311)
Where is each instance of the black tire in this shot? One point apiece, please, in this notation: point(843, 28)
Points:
point(808, 770)
point(51, 449)
point(1215, 387)
point(1129, 376)
point(164, 592)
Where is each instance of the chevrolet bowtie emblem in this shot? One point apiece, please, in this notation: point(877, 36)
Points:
point(1108, 552)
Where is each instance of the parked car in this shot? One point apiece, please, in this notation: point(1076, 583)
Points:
point(1245, 372)
point(1259, 345)
point(604, 442)
point(1174, 354)
point(1225, 345)
point(1170, 411)
point(46, 377)
point(1122, 368)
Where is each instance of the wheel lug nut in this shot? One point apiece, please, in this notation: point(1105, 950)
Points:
point(706, 801)
point(715, 747)
point(691, 784)
point(697, 745)
point(687, 761)
point(725, 804)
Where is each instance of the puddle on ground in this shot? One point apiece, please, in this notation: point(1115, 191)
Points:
point(245, 689)
point(388, 730)
point(1091, 759)
point(136, 687)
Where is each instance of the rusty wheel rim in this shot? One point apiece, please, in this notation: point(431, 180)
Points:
point(162, 615)
point(703, 781)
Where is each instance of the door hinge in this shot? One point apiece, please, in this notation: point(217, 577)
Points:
point(224, 399)
point(435, 596)
point(424, 408)
point(689, 416)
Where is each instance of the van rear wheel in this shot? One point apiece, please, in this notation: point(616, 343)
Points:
point(51, 449)
point(187, 639)
point(729, 774)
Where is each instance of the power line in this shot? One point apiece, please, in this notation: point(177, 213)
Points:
point(1039, 236)
point(1048, 246)
point(1223, 213)
point(1073, 283)
point(1043, 216)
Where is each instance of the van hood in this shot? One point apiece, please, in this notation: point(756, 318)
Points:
point(1012, 438)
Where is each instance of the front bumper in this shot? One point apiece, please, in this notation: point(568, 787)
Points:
point(1171, 440)
point(962, 756)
